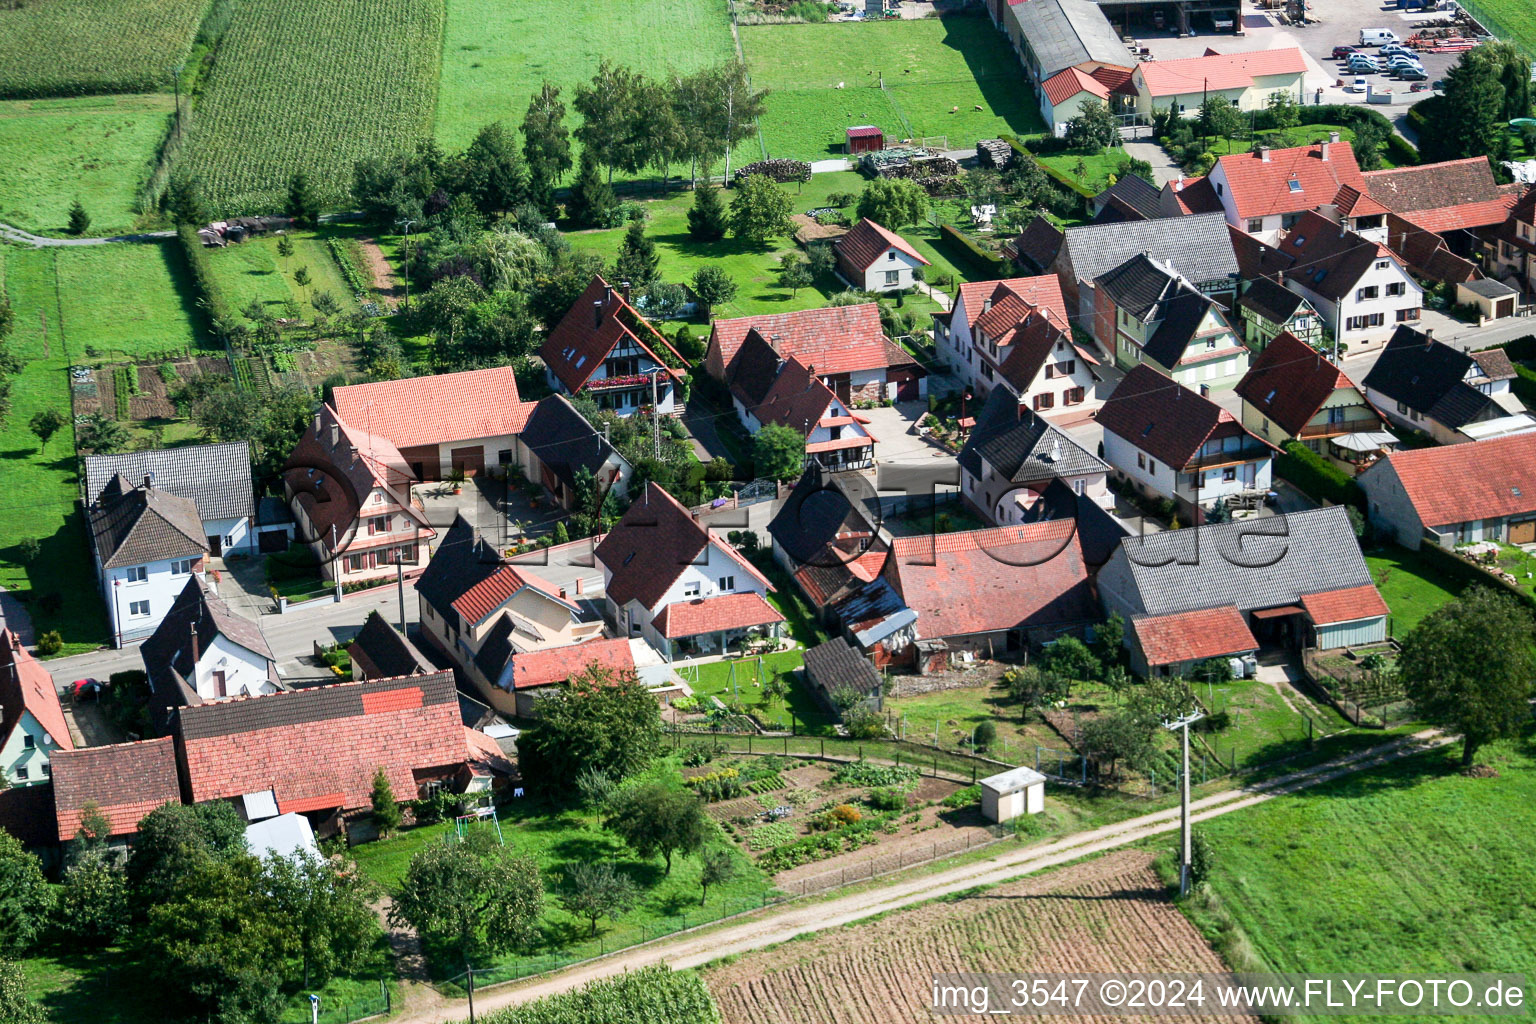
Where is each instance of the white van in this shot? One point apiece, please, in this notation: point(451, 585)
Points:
point(1378, 37)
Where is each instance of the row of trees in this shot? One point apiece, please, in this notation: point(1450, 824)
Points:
point(1488, 87)
point(217, 932)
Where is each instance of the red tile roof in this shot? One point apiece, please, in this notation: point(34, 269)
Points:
point(319, 748)
point(593, 327)
point(497, 589)
point(1261, 188)
point(1290, 381)
point(1347, 605)
point(125, 780)
point(1063, 85)
point(437, 409)
point(1351, 202)
point(713, 614)
point(1434, 186)
point(797, 400)
point(1166, 420)
point(558, 664)
point(867, 241)
point(1457, 483)
point(837, 339)
point(652, 544)
point(1219, 71)
point(1196, 195)
point(26, 685)
point(1043, 291)
point(981, 581)
point(1193, 636)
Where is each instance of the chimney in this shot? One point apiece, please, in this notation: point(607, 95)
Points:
point(579, 586)
point(196, 655)
point(1280, 278)
point(1264, 153)
point(597, 311)
point(1323, 147)
point(149, 481)
point(1429, 336)
point(335, 435)
point(986, 304)
point(625, 286)
point(317, 425)
point(1333, 136)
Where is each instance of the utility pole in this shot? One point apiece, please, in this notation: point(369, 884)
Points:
point(1183, 725)
point(406, 270)
point(400, 585)
point(336, 563)
point(655, 418)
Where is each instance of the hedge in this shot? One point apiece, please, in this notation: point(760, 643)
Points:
point(985, 260)
point(1454, 566)
point(1519, 350)
point(1047, 169)
point(1317, 477)
point(1524, 384)
point(220, 312)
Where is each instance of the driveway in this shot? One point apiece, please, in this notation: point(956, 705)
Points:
point(501, 511)
point(894, 440)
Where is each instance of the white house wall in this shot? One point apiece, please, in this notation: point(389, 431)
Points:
point(160, 589)
point(245, 672)
point(892, 260)
point(17, 754)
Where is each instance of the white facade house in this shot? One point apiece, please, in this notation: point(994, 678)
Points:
point(874, 259)
point(216, 477)
point(605, 348)
point(32, 723)
point(203, 651)
point(147, 543)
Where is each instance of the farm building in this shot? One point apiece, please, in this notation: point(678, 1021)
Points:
point(865, 138)
point(1442, 496)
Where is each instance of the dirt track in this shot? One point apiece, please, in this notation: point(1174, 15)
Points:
point(791, 920)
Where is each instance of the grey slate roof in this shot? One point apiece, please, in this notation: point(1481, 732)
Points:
point(1428, 377)
point(1135, 192)
point(1488, 288)
point(563, 439)
point(382, 651)
point(136, 525)
point(1150, 293)
point(835, 664)
point(1022, 446)
point(215, 476)
point(817, 513)
point(1197, 246)
point(1063, 33)
point(1253, 563)
point(1272, 301)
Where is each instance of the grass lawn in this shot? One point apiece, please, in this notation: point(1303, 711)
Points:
point(1408, 867)
point(128, 300)
point(937, 72)
point(1410, 586)
point(1095, 169)
point(556, 837)
point(949, 717)
point(716, 679)
point(1282, 138)
point(1510, 20)
point(105, 986)
point(496, 55)
point(1263, 727)
point(98, 149)
point(254, 272)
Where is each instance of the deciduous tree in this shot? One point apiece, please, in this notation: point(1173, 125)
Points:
point(593, 889)
point(1468, 667)
point(45, 424)
point(779, 452)
point(101, 434)
point(473, 897)
point(656, 820)
point(25, 899)
point(604, 719)
point(716, 867)
point(794, 273)
point(607, 106)
point(893, 203)
point(329, 923)
point(760, 210)
point(1092, 128)
point(714, 287)
point(15, 1007)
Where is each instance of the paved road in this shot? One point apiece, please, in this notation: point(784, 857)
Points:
point(795, 919)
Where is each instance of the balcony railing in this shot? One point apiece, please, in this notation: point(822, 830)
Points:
point(1353, 425)
point(1247, 453)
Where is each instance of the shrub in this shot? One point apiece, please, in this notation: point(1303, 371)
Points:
point(846, 814)
point(1317, 477)
point(861, 773)
point(887, 798)
point(50, 643)
point(963, 797)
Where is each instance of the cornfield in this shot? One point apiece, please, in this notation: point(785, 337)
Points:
point(312, 86)
point(75, 47)
point(651, 995)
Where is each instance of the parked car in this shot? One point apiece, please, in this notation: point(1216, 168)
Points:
point(1393, 63)
point(1392, 48)
point(1361, 63)
point(1377, 37)
point(1343, 52)
point(86, 687)
point(1412, 75)
point(1358, 85)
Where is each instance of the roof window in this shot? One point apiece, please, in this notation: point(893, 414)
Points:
point(1295, 185)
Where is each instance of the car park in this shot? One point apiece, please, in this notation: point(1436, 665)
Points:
point(1392, 49)
point(1399, 61)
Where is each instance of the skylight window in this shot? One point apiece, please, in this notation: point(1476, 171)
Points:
point(629, 558)
point(1295, 185)
point(1271, 396)
point(1515, 491)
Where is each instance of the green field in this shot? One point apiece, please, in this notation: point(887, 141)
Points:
point(312, 86)
point(1410, 585)
point(128, 300)
point(255, 272)
point(96, 149)
point(496, 54)
point(930, 67)
point(1264, 725)
point(555, 837)
point(1510, 20)
point(1412, 868)
point(72, 47)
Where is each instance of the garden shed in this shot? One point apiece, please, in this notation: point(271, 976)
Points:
point(865, 138)
point(1012, 793)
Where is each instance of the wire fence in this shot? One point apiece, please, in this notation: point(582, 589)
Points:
point(346, 1012)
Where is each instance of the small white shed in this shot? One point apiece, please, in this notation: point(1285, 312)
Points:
point(1012, 793)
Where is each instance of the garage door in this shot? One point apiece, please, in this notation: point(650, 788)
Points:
point(906, 385)
point(1523, 533)
point(470, 460)
point(268, 541)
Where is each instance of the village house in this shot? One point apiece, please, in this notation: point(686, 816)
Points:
point(668, 579)
point(350, 492)
point(1011, 458)
point(480, 610)
point(125, 781)
point(1131, 198)
point(203, 651)
point(315, 751)
point(146, 544)
point(1444, 216)
point(1053, 37)
point(1510, 247)
point(1244, 80)
point(1360, 287)
point(33, 730)
point(605, 349)
point(217, 477)
point(443, 425)
point(1028, 351)
point(1456, 494)
point(1064, 94)
point(557, 444)
point(380, 651)
point(954, 330)
point(1293, 392)
point(769, 389)
point(845, 344)
point(1169, 442)
point(1268, 309)
point(1269, 189)
point(1433, 388)
point(534, 673)
point(1197, 246)
point(1227, 589)
point(873, 259)
point(836, 666)
point(1145, 312)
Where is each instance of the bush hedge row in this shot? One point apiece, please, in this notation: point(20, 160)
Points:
point(220, 311)
point(1318, 477)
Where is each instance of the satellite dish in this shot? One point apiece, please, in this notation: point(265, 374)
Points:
point(47, 740)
